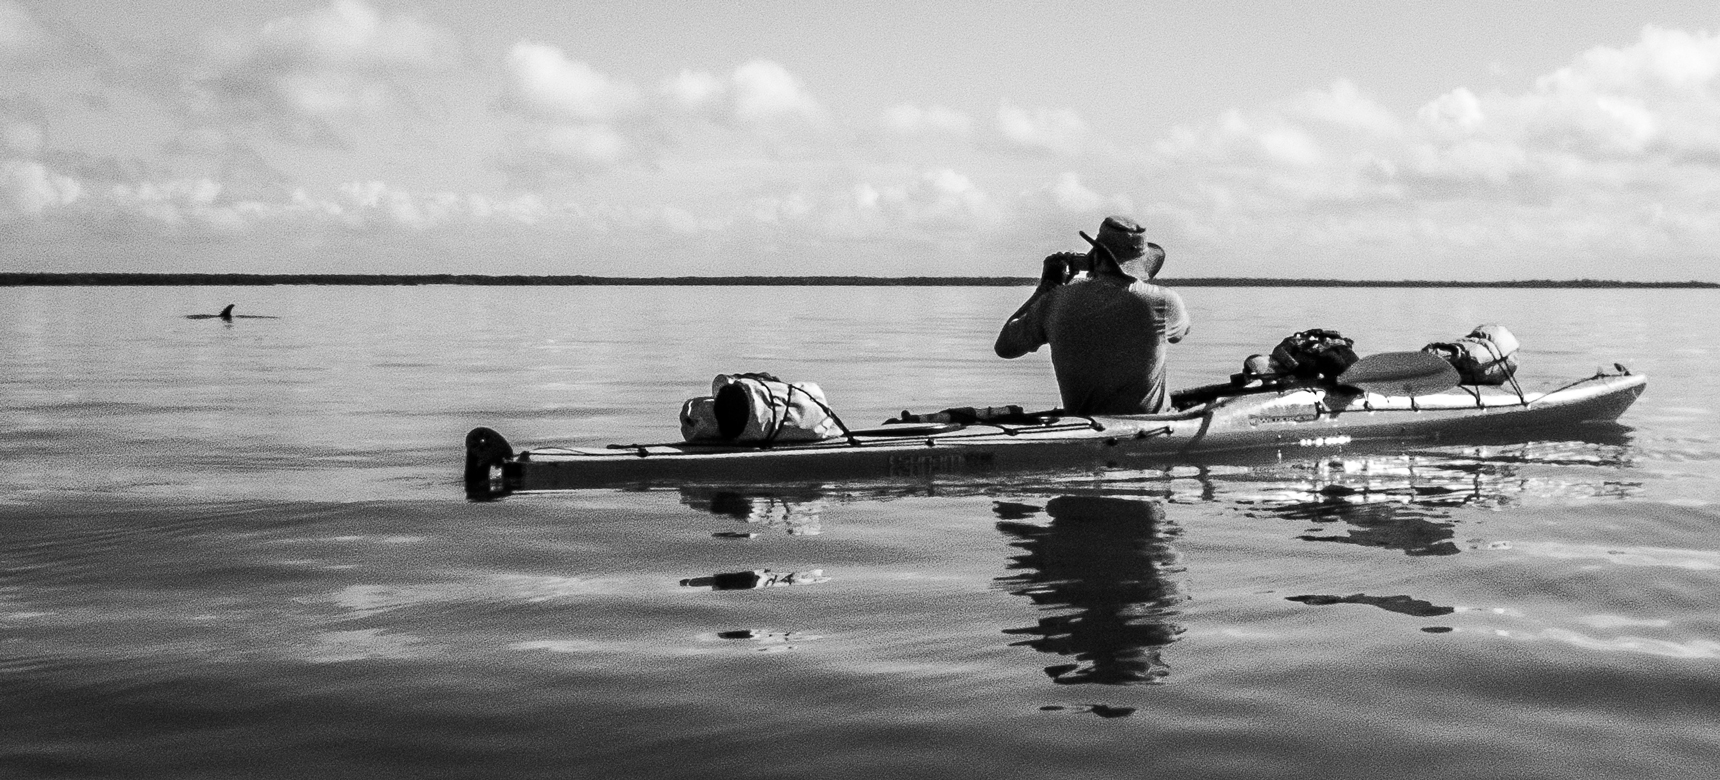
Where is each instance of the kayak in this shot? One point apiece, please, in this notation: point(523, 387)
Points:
point(1293, 422)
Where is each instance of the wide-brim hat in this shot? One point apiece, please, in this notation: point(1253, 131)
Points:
point(1124, 239)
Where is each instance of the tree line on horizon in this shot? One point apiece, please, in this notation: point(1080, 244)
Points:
point(124, 279)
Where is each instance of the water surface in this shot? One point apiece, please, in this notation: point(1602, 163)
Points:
point(242, 550)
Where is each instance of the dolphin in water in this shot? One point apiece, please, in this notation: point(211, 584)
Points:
point(228, 315)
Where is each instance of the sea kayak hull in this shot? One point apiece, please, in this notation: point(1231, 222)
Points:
point(1302, 422)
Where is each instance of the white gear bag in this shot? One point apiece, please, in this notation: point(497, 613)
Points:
point(1487, 356)
point(758, 408)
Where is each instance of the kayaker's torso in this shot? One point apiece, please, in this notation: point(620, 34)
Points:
point(1107, 339)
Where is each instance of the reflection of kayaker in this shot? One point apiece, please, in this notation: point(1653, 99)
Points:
point(1101, 565)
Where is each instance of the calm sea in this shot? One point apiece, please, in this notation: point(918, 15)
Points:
point(242, 550)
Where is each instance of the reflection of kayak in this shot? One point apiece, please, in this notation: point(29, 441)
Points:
point(1297, 422)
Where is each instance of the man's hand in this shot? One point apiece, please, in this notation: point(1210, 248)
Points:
point(1057, 270)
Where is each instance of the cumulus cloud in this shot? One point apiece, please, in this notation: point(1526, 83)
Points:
point(1337, 145)
point(1456, 114)
point(693, 91)
point(759, 93)
point(1666, 61)
point(1343, 105)
point(21, 138)
point(911, 120)
point(580, 121)
point(766, 92)
point(1614, 155)
point(1656, 96)
point(941, 195)
point(347, 34)
point(1618, 151)
point(174, 204)
point(1074, 197)
point(577, 119)
point(298, 74)
point(1634, 121)
point(1059, 131)
point(203, 207)
point(1239, 142)
point(30, 189)
point(23, 42)
point(544, 82)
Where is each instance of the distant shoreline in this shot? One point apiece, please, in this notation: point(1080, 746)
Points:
point(237, 280)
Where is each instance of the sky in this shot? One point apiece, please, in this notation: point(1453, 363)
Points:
point(1336, 139)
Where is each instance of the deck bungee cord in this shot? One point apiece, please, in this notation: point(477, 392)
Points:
point(865, 437)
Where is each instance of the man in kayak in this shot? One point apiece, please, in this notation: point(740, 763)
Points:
point(1107, 329)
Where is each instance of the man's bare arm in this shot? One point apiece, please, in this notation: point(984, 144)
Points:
point(1012, 341)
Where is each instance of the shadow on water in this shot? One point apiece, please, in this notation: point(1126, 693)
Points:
point(1106, 561)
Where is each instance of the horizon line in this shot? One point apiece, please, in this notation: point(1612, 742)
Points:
point(133, 279)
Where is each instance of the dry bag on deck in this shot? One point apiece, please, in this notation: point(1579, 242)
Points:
point(1313, 354)
point(1487, 356)
point(758, 408)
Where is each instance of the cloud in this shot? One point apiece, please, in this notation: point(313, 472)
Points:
point(1617, 153)
point(693, 91)
point(765, 92)
point(1672, 62)
point(203, 207)
point(1260, 142)
point(349, 34)
point(545, 83)
point(23, 42)
point(20, 138)
point(1454, 115)
point(1658, 95)
point(1073, 197)
point(1647, 113)
point(298, 75)
point(1614, 154)
point(173, 205)
point(940, 196)
point(1058, 131)
point(1343, 106)
point(30, 189)
point(374, 204)
point(759, 94)
point(910, 120)
point(593, 147)
point(580, 122)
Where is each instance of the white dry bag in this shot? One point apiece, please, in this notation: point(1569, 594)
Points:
point(758, 408)
point(1487, 356)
